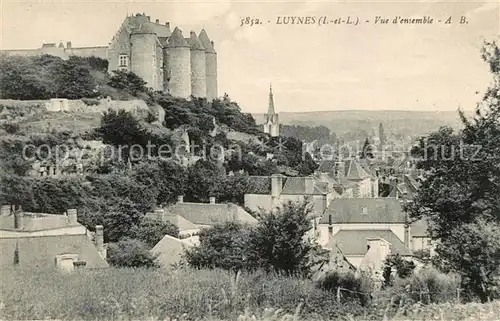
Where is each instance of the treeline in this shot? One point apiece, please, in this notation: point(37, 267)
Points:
point(306, 133)
point(43, 77)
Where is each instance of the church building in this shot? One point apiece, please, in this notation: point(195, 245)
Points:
point(271, 124)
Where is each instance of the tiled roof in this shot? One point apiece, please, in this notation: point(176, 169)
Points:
point(354, 242)
point(351, 210)
point(175, 219)
point(141, 24)
point(169, 250)
point(36, 222)
point(41, 251)
point(327, 166)
point(205, 41)
point(354, 171)
point(298, 186)
point(177, 40)
point(194, 42)
point(209, 214)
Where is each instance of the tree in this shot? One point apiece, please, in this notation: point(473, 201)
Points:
point(130, 253)
point(460, 196)
point(279, 242)
point(152, 231)
point(224, 245)
point(127, 80)
point(403, 268)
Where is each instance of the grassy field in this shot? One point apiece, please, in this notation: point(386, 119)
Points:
point(128, 294)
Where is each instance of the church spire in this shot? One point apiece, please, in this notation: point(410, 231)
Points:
point(270, 109)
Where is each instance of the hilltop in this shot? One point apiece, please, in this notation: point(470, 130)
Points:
point(410, 123)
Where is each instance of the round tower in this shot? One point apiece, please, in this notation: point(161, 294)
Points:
point(178, 65)
point(198, 70)
point(210, 65)
point(143, 56)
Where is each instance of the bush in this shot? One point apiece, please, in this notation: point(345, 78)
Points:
point(350, 285)
point(130, 253)
point(90, 101)
point(11, 128)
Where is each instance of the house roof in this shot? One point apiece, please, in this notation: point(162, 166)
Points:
point(194, 42)
point(41, 251)
point(354, 242)
point(36, 222)
point(175, 219)
point(169, 250)
point(205, 41)
point(354, 171)
point(299, 186)
point(177, 40)
point(364, 210)
point(209, 214)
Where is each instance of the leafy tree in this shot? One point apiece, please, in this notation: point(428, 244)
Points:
point(460, 193)
point(73, 80)
point(119, 219)
point(130, 253)
point(403, 268)
point(279, 243)
point(204, 179)
point(127, 80)
point(222, 246)
point(152, 231)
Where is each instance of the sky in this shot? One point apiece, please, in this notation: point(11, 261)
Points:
point(311, 67)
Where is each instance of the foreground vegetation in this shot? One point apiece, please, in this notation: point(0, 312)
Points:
point(202, 295)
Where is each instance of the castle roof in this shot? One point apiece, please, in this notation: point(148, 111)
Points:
point(177, 40)
point(194, 42)
point(205, 41)
point(145, 28)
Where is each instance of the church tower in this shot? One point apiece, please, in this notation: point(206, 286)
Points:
point(271, 125)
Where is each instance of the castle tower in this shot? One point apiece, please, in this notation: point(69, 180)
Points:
point(198, 70)
point(210, 65)
point(143, 55)
point(271, 125)
point(178, 65)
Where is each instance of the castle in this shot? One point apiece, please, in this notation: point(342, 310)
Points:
point(165, 59)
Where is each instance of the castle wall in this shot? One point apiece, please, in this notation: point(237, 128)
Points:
point(198, 73)
point(143, 58)
point(21, 52)
point(120, 45)
point(179, 64)
point(211, 75)
point(100, 52)
point(159, 67)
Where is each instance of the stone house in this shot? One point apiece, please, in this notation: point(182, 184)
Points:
point(39, 240)
point(362, 227)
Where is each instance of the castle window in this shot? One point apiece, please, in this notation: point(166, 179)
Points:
point(123, 61)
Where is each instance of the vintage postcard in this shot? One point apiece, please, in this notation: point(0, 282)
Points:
point(249, 160)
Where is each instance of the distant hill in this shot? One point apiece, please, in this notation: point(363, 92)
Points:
point(342, 121)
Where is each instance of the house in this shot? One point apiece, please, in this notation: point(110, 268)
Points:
point(190, 218)
point(351, 175)
point(269, 192)
point(363, 227)
point(39, 240)
point(405, 187)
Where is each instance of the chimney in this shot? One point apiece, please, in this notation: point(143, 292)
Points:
point(407, 238)
point(180, 199)
point(212, 43)
point(330, 227)
point(309, 184)
point(18, 218)
point(276, 185)
point(324, 199)
point(157, 21)
point(212, 200)
point(167, 24)
point(68, 44)
point(72, 216)
point(99, 240)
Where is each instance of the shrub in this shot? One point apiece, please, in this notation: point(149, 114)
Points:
point(11, 128)
point(348, 286)
point(90, 101)
point(130, 253)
